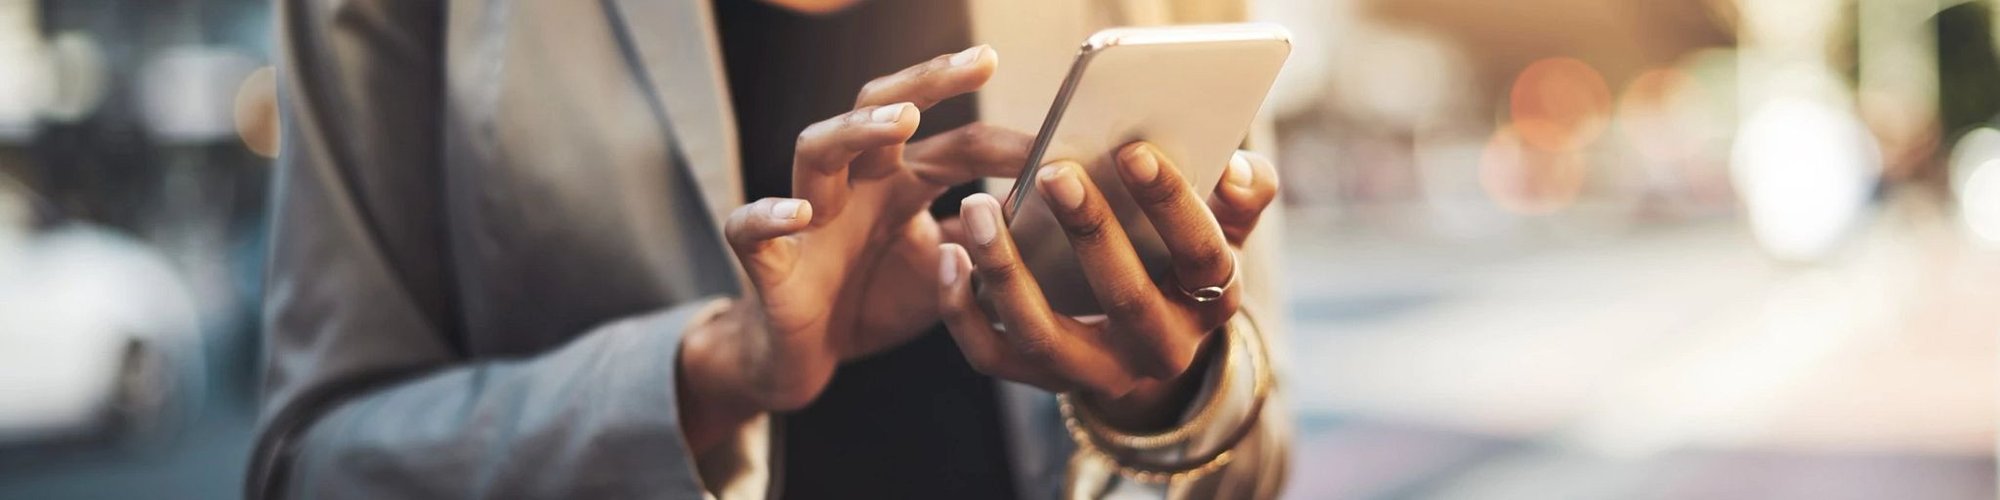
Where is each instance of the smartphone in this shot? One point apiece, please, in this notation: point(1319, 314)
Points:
point(1192, 91)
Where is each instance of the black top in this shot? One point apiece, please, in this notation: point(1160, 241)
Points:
point(916, 421)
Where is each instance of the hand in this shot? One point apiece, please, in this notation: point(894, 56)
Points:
point(843, 270)
point(1135, 363)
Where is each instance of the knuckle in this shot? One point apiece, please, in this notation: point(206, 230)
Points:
point(809, 139)
point(1000, 272)
point(1127, 305)
point(1204, 260)
point(856, 117)
point(1087, 229)
point(1161, 190)
point(930, 67)
point(876, 86)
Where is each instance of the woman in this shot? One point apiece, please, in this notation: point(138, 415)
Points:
point(505, 264)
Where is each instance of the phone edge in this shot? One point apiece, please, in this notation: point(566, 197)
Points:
point(1024, 183)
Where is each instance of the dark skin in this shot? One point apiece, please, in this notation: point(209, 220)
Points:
point(831, 269)
point(1139, 362)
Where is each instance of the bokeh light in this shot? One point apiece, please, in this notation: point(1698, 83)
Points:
point(1647, 114)
point(1559, 104)
point(1806, 170)
point(76, 63)
point(188, 91)
point(1972, 149)
point(1979, 203)
point(1975, 176)
point(24, 79)
point(1412, 78)
point(1529, 180)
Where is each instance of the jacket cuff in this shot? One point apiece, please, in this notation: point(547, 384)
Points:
point(739, 468)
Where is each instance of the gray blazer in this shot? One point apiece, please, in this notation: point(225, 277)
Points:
point(493, 219)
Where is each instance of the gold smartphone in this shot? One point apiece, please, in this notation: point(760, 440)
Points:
point(1193, 91)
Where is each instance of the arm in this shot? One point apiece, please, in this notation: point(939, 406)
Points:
point(367, 395)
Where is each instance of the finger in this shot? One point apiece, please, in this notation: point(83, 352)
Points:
point(923, 85)
point(929, 82)
point(1246, 190)
point(1117, 278)
point(1039, 336)
point(820, 160)
point(951, 229)
point(968, 153)
point(1201, 256)
point(756, 231)
point(983, 347)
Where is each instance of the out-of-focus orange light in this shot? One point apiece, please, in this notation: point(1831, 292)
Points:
point(1528, 180)
point(1646, 118)
point(257, 112)
point(1559, 104)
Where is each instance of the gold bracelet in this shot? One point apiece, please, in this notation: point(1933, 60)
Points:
point(1088, 416)
point(1090, 435)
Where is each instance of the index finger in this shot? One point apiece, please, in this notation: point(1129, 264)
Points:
point(929, 82)
point(824, 150)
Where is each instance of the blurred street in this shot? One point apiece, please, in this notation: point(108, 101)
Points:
point(1664, 362)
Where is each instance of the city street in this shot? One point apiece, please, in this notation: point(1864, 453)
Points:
point(1673, 361)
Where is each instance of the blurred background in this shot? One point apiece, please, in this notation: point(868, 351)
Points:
point(1536, 248)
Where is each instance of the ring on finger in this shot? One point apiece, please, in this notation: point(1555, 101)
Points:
point(1214, 293)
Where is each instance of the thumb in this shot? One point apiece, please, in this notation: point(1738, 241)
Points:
point(759, 235)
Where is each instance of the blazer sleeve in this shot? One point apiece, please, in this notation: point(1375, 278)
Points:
point(366, 393)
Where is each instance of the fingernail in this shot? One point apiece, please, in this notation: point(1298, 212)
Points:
point(1059, 180)
point(1144, 163)
point(787, 209)
point(889, 114)
point(947, 264)
point(982, 217)
point(1239, 173)
point(967, 56)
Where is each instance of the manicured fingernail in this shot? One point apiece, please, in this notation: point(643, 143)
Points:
point(1239, 173)
point(967, 56)
point(1060, 182)
point(890, 113)
point(947, 264)
point(1144, 163)
point(982, 217)
point(787, 209)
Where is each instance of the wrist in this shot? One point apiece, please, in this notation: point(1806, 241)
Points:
point(1157, 405)
point(712, 400)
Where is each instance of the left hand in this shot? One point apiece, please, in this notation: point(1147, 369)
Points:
point(1138, 363)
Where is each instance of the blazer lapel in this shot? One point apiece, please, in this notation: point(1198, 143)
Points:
point(677, 52)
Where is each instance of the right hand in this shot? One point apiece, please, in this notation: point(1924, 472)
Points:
point(846, 268)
